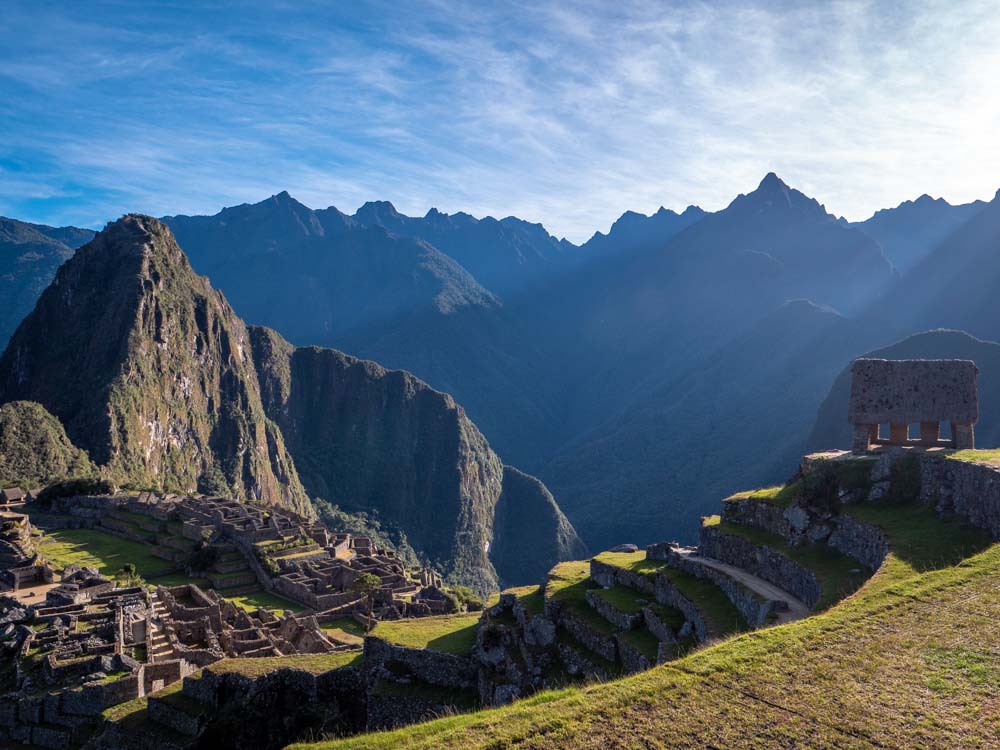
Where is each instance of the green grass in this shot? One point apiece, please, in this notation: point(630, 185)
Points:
point(986, 457)
point(452, 634)
point(906, 662)
point(644, 642)
point(261, 598)
point(669, 616)
point(637, 562)
point(624, 599)
point(782, 494)
point(721, 616)
point(314, 663)
point(919, 538)
point(101, 550)
point(838, 574)
point(567, 585)
point(345, 630)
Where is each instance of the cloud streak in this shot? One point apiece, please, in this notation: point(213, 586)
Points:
point(567, 114)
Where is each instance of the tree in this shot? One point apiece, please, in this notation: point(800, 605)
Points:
point(367, 584)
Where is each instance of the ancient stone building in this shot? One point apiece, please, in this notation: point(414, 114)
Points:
point(902, 392)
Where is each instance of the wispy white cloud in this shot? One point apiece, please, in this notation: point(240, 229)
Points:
point(563, 113)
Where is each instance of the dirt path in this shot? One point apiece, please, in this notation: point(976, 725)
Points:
point(796, 607)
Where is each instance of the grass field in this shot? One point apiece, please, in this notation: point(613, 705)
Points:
point(453, 634)
point(101, 550)
point(908, 661)
point(262, 598)
point(346, 630)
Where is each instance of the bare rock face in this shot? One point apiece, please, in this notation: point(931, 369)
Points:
point(150, 371)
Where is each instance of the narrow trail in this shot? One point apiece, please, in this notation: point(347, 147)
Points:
point(797, 609)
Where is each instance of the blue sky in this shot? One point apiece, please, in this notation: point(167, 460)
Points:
point(564, 113)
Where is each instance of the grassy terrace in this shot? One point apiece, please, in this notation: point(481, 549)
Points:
point(987, 458)
point(452, 634)
point(838, 574)
point(314, 663)
point(783, 495)
point(720, 614)
point(346, 630)
point(624, 599)
point(101, 550)
point(568, 584)
point(909, 661)
point(261, 598)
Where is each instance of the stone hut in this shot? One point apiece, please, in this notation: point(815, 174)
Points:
point(902, 392)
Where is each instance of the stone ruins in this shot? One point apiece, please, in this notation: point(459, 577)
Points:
point(913, 391)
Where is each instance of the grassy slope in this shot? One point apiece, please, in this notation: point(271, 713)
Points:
point(99, 549)
point(453, 634)
point(910, 660)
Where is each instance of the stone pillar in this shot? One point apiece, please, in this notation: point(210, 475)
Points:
point(898, 433)
point(930, 432)
point(863, 434)
point(962, 436)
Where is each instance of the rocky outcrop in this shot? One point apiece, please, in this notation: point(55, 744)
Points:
point(150, 371)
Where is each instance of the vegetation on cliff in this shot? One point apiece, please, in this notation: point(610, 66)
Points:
point(151, 371)
point(34, 449)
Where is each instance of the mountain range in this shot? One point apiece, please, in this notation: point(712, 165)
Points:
point(640, 375)
point(153, 374)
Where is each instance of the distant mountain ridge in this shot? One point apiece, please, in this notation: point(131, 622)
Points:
point(911, 230)
point(29, 257)
point(607, 369)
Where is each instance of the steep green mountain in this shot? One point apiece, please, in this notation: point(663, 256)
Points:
point(29, 257)
point(34, 449)
point(369, 439)
point(831, 429)
point(150, 371)
point(911, 230)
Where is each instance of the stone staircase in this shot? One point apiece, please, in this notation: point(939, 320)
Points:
point(159, 645)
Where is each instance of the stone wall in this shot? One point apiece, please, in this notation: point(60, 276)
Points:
point(756, 610)
point(970, 491)
point(761, 561)
point(432, 667)
point(667, 593)
point(621, 620)
point(758, 514)
point(608, 575)
point(862, 541)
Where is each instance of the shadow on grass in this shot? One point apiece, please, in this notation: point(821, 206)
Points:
point(918, 537)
